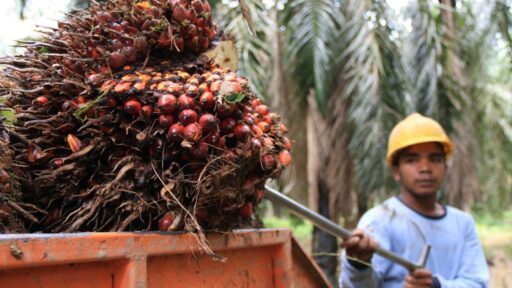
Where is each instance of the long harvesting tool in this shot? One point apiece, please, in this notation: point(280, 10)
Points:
point(336, 230)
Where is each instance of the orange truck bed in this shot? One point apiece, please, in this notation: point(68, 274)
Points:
point(255, 258)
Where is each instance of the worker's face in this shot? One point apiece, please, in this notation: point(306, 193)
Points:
point(421, 169)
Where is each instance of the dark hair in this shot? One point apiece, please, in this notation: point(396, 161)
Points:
point(398, 154)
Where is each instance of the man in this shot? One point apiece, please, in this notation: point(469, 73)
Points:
point(417, 151)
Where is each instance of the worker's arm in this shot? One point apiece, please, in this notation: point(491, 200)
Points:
point(356, 266)
point(473, 270)
point(362, 246)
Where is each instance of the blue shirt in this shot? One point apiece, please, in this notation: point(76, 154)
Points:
point(456, 257)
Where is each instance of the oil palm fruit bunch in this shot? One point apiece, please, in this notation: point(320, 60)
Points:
point(13, 212)
point(121, 125)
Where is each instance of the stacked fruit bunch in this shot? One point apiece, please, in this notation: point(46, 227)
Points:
point(12, 210)
point(124, 127)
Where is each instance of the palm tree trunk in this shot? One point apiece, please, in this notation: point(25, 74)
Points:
point(330, 178)
point(292, 110)
point(462, 180)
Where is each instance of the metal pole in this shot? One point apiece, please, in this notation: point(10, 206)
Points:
point(334, 229)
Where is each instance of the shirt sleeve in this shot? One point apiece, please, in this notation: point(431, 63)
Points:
point(370, 277)
point(473, 271)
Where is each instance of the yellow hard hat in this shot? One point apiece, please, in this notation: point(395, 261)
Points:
point(416, 129)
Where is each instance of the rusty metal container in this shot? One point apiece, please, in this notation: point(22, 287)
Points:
point(255, 258)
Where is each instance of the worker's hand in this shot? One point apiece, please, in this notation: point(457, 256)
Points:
point(419, 278)
point(360, 246)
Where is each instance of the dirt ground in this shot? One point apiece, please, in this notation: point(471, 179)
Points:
point(498, 250)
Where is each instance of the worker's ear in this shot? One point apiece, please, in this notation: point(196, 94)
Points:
point(396, 173)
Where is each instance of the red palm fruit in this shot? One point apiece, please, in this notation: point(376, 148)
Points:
point(74, 143)
point(192, 132)
point(147, 111)
point(227, 125)
point(56, 163)
point(287, 143)
point(207, 100)
point(204, 43)
point(231, 77)
point(268, 162)
point(186, 102)
point(235, 87)
point(213, 137)
point(241, 132)
point(123, 87)
point(107, 85)
point(132, 107)
point(4, 176)
point(200, 22)
point(165, 120)
point(255, 145)
point(41, 100)
point(111, 102)
point(167, 103)
point(81, 100)
point(139, 86)
point(7, 188)
point(129, 54)
point(179, 43)
point(201, 214)
point(250, 182)
point(102, 17)
point(200, 150)
point(193, 43)
point(257, 130)
point(246, 210)
point(226, 110)
point(283, 129)
point(175, 132)
point(140, 44)
point(230, 156)
point(213, 79)
point(192, 90)
point(117, 27)
point(179, 14)
point(191, 31)
point(207, 122)
point(259, 194)
point(198, 6)
point(165, 222)
point(222, 142)
point(171, 87)
point(116, 59)
point(164, 40)
point(267, 142)
point(211, 32)
point(194, 81)
point(262, 109)
point(248, 119)
point(93, 52)
point(188, 116)
point(267, 119)
point(203, 88)
point(284, 158)
point(94, 79)
point(215, 86)
point(117, 44)
point(207, 8)
point(264, 126)
point(255, 102)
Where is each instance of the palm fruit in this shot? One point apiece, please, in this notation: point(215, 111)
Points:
point(120, 130)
